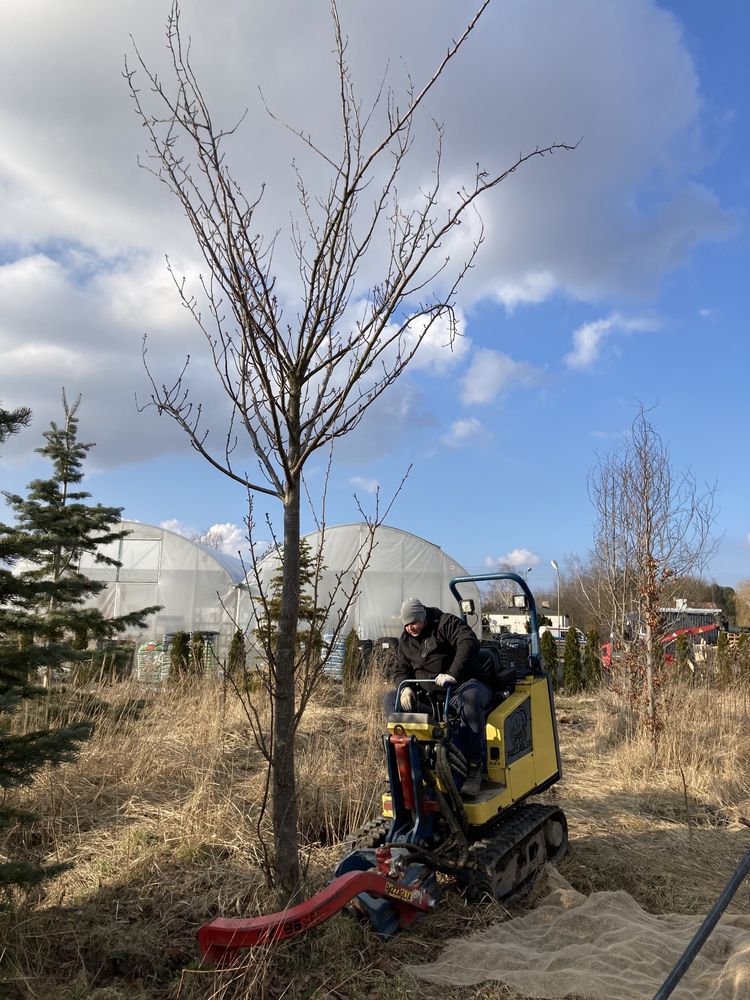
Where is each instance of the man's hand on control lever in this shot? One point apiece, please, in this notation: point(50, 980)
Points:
point(408, 700)
point(443, 680)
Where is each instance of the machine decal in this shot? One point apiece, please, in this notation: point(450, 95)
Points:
point(402, 892)
point(517, 732)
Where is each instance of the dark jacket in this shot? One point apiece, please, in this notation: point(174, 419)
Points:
point(446, 645)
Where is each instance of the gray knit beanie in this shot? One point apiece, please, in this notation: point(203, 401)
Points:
point(412, 610)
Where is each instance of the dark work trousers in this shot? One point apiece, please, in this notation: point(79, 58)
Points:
point(470, 701)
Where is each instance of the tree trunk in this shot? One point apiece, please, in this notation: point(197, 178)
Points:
point(284, 810)
point(650, 696)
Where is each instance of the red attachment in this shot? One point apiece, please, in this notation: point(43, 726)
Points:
point(223, 937)
point(695, 630)
point(664, 640)
point(401, 746)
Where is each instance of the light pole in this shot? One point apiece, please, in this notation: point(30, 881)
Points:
point(556, 568)
point(528, 570)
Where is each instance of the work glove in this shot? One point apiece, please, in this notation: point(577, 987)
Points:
point(443, 680)
point(408, 700)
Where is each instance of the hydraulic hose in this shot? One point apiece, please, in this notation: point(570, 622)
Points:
point(705, 928)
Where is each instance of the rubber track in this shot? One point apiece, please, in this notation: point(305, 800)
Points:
point(488, 852)
point(371, 835)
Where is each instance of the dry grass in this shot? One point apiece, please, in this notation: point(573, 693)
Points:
point(159, 818)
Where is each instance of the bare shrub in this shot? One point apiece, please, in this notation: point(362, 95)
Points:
point(704, 747)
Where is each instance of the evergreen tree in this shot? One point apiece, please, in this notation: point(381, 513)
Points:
point(11, 421)
point(197, 655)
point(41, 618)
point(310, 625)
point(54, 527)
point(237, 657)
point(592, 664)
point(572, 665)
point(548, 649)
point(179, 656)
point(724, 674)
point(742, 651)
point(352, 669)
point(682, 664)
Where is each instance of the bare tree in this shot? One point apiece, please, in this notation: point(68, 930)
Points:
point(653, 526)
point(297, 384)
point(499, 595)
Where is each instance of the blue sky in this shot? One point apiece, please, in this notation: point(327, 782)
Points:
point(613, 276)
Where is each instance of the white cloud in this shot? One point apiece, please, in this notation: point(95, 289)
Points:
point(588, 339)
point(490, 372)
point(61, 327)
point(519, 559)
point(228, 538)
point(706, 313)
point(526, 289)
point(176, 526)
point(608, 435)
point(442, 348)
point(364, 485)
point(84, 231)
point(468, 429)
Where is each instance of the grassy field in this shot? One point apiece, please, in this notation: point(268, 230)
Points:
point(160, 821)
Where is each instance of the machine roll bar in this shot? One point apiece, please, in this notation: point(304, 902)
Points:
point(530, 602)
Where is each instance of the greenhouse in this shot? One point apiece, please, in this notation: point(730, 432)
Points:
point(198, 587)
point(204, 590)
point(400, 565)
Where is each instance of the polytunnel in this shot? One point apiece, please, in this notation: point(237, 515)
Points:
point(398, 565)
point(197, 586)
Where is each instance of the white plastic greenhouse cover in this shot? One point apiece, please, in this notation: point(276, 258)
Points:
point(197, 586)
point(401, 565)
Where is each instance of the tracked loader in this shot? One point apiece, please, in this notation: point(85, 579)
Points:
point(492, 844)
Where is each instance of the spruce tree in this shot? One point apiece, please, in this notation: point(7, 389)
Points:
point(237, 657)
point(352, 669)
point(724, 672)
point(54, 527)
point(548, 649)
point(742, 653)
point(179, 656)
point(198, 654)
point(592, 664)
point(310, 625)
point(572, 666)
point(41, 618)
point(682, 665)
point(11, 421)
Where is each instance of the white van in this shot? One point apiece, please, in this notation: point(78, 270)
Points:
point(561, 634)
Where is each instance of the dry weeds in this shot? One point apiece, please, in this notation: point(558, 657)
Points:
point(160, 821)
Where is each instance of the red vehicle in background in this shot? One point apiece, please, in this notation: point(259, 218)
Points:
point(664, 640)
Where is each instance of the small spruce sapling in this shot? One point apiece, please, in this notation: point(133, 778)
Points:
point(592, 664)
point(572, 665)
point(548, 649)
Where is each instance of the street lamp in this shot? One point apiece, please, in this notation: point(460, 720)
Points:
point(556, 568)
point(528, 570)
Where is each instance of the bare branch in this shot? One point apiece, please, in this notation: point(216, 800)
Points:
point(295, 385)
